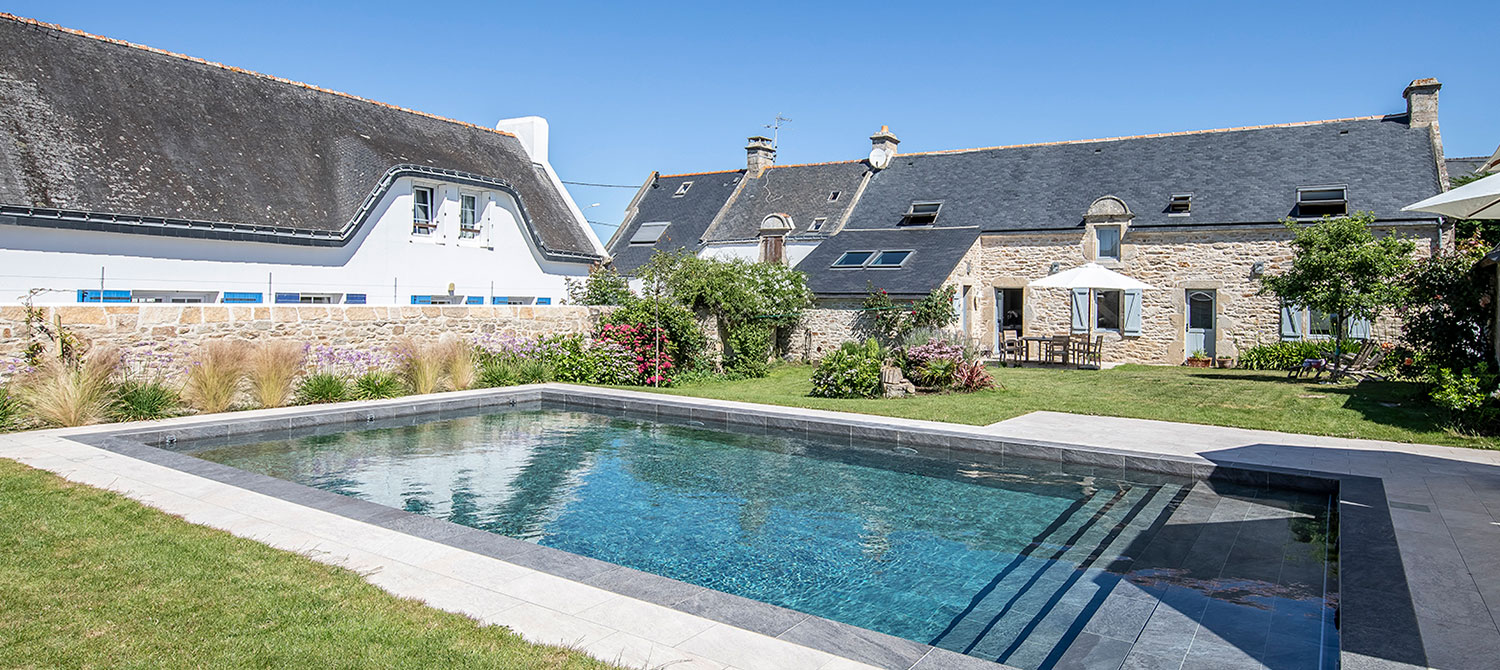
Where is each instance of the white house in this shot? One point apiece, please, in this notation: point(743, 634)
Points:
point(128, 174)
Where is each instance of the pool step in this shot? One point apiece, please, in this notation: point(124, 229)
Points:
point(1032, 606)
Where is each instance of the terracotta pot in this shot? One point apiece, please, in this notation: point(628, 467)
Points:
point(1198, 362)
point(1224, 363)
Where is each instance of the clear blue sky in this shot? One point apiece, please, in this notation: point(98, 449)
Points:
point(633, 87)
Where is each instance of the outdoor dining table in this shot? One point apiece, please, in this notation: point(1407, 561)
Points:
point(1041, 342)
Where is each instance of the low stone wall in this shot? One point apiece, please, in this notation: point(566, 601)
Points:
point(186, 326)
point(822, 330)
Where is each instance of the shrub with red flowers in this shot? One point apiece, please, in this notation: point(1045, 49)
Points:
point(650, 346)
point(890, 320)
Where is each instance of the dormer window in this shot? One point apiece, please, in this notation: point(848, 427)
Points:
point(421, 211)
point(817, 223)
point(921, 213)
point(468, 216)
point(1180, 205)
point(682, 189)
point(649, 233)
point(833, 196)
point(1318, 201)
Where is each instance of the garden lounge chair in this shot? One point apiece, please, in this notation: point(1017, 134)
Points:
point(1369, 368)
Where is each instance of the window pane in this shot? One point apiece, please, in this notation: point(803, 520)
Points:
point(890, 258)
point(1109, 242)
point(1319, 323)
point(649, 233)
point(853, 259)
point(466, 210)
point(421, 205)
point(1200, 311)
point(1107, 307)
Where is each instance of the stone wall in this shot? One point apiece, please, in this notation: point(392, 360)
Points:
point(181, 327)
point(1171, 261)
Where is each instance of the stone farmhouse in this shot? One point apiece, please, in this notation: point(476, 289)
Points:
point(133, 175)
point(1196, 215)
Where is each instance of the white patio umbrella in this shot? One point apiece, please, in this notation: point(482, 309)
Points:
point(1094, 277)
point(1091, 276)
point(1478, 199)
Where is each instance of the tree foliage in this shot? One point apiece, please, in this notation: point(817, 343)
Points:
point(892, 321)
point(603, 286)
point(1487, 230)
point(748, 300)
point(1448, 308)
point(1340, 267)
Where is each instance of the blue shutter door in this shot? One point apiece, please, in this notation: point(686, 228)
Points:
point(1132, 323)
point(1080, 310)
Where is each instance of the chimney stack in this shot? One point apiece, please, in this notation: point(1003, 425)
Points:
point(759, 155)
point(1422, 102)
point(885, 140)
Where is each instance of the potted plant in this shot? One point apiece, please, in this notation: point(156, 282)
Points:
point(1224, 362)
point(1198, 359)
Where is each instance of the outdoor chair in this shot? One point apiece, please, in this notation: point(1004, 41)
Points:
point(1011, 350)
point(1086, 352)
point(1365, 369)
point(1057, 349)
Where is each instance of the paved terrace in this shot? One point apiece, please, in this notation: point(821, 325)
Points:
point(1441, 503)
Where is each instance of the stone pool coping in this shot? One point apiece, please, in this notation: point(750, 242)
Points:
point(725, 627)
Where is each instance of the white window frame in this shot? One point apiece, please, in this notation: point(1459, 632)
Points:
point(1119, 232)
point(428, 227)
point(1119, 311)
point(817, 223)
point(912, 213)
point(660, 226)
point(475, 228)
point(682, 189)
point(1341, 188)
point(833, 196)
point(1185, 199)
point(887, 266)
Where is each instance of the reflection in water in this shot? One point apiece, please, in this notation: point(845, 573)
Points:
point(1011, 564)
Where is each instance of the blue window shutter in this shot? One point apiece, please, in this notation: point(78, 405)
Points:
point(1357, 328)
point(543, 301)
point(1080, 310)
point(1132, 324)
point(499, 300)
point(1291, 322)
point(354, 298)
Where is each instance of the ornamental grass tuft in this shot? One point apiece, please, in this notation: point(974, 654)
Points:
point(272, 369)
point(420, 366)
point(213, 380)
point(61, 394)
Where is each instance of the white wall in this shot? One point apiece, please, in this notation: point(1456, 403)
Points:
point(750, 251)
point(385, 260)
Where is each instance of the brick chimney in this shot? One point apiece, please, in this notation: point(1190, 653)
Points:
point(1422, 102)
point(759, 155)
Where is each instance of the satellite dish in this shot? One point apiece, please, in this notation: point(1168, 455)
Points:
point(879, 158)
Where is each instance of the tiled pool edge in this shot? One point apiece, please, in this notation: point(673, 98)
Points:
point(931, 439)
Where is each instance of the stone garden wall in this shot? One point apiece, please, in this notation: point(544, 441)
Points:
point(183, 327)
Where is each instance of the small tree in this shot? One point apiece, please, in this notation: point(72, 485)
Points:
point(603, 286)
point(1339, 267)
point(892, 321)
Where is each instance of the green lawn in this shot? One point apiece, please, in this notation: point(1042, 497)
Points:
point(89, 578)
point(1267, 400)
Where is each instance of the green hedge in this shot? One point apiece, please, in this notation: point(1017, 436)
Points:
point(1289, 355)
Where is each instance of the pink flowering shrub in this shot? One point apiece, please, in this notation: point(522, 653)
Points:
point(650, 347)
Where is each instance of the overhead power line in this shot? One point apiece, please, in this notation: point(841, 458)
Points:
point(584, 183)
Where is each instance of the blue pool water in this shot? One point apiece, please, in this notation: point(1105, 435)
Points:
point(1030, 565)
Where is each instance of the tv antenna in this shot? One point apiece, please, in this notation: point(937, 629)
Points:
point(775, 127)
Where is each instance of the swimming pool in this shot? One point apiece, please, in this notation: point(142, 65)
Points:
point(1032, 564)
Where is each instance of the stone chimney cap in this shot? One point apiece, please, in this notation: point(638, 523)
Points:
point(759, 139)
point(1420, 84)
point(885, 134)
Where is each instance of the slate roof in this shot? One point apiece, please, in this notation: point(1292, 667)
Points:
point(149, 141)
point(800, 191)
point(935, 252)
point(689, 215)
point(1464, 167)
point(1235, 177)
